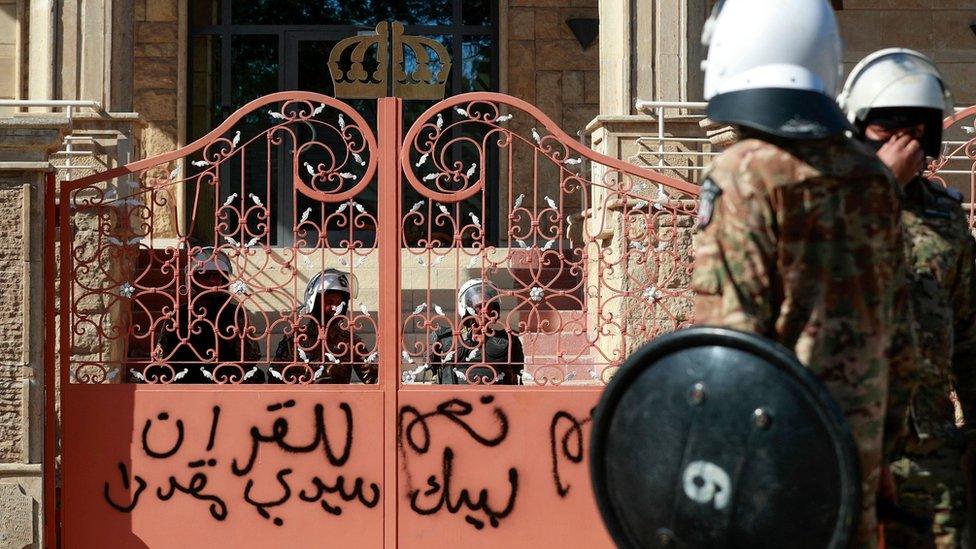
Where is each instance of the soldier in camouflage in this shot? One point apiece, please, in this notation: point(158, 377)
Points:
point(327, 349)
point(205, 341)
point(896, 99)
point(800, 238)
point(485, 353)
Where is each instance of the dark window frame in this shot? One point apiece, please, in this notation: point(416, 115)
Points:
point(227, 30)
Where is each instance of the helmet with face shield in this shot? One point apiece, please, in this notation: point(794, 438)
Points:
point(339, 286)
point(476, 293)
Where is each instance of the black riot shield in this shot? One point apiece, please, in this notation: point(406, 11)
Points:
point(710, 437)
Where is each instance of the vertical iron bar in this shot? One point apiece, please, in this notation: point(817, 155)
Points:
point(49, 500)
point(390, 57)
point(388, 333)
point(660, 138)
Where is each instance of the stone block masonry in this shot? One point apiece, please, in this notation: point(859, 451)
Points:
point(547, 66)
point(157, 87)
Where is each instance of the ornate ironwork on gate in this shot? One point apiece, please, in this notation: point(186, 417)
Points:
point(185, 267)
point(200, 279)
point(956, 167)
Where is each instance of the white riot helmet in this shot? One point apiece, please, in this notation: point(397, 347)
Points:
point(474, 292)
point(774, 66)
point(907, 85)
point(330, 280)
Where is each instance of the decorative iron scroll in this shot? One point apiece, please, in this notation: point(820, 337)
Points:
point(593, 258)
point(153, 298)
point(174, 277)
point(956, 167)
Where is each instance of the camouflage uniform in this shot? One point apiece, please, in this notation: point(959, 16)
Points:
point(213, 338)
point(503, 356)
point(801, 242)
point(942, 264)
point(345, 348)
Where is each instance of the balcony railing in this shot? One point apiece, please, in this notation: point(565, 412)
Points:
point(79, 142)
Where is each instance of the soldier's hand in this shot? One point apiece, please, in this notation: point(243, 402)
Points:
point(904, 157)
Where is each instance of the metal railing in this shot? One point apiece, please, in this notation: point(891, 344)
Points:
point(658, 155)
point(575, 317)
point(954, 162)
point(957, 166)
point(74, 142)
point(954, 150)
point(69, 105)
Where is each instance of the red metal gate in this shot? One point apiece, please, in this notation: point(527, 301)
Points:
point(591, 256)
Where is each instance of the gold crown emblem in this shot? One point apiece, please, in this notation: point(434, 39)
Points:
point(421, 82)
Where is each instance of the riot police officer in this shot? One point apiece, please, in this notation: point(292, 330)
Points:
point(206, 340)
point(484, 353)
point(800, 238)
point(321, 347)
point(896, 99)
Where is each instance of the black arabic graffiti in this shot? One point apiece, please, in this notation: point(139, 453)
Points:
point(262, 506)
point(463, 498)
point(560, 446)
point(340, 488)
point(414, 436)
point(455, 410)
point(194, 488)
point(124, 471)
point(355, 490)
point(279, 432)
point(163, 416)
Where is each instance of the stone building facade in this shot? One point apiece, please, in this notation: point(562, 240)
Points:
point(131, 57)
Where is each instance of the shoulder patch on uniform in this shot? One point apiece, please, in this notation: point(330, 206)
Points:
point(706, 203)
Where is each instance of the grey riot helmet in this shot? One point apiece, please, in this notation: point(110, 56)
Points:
point(210, 259)
point(898, 87)
point(210, 267)
point(330, 280)
point(475, 292)
point(775, 67)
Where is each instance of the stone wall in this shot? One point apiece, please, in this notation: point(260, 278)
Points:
point(939, 29)
point(13, 292)
point(21, 398)
point(547, 66)
point(155, 80)
point(157, 87)
point(651, 50)
point(24, 143)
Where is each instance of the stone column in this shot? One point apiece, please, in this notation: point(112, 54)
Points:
point(95, 60)
point(650, 49)
point(41, 52)
point(25, 144)
point(616, 68)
